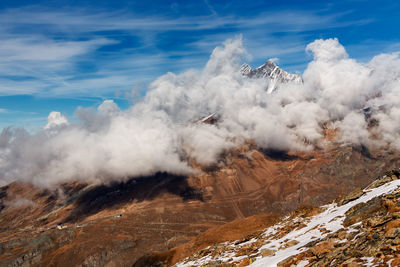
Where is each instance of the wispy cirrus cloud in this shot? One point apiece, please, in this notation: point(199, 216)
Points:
point(41, 49)
point(84, 20)
point(78, 51)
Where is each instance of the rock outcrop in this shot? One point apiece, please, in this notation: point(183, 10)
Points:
point(274, 74)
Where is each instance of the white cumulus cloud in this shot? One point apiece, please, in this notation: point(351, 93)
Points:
point(160, 133)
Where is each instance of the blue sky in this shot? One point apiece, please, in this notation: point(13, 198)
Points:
point(58, 55)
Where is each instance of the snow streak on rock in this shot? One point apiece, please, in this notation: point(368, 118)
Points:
point(274, 75)
point(273, 247)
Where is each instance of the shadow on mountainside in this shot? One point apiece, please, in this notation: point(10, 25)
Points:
point(101, 197)
point(279, 155)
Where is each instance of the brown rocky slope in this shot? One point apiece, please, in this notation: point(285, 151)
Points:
point(362, 229)
point(117, 224)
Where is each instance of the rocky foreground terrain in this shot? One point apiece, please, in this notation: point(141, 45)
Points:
point(359, 229)
point(121, 224)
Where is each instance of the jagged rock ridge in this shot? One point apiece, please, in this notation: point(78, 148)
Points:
point(269, 71)
point(272, 72)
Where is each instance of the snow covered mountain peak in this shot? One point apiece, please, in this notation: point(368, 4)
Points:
point(272, 72)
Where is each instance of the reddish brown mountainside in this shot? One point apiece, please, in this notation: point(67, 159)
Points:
point(360, 229)
point(119, 223)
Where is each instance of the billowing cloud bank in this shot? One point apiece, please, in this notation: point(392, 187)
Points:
point(159, 133)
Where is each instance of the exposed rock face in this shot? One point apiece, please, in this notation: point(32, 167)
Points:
point(273, 73)
point(119, 223)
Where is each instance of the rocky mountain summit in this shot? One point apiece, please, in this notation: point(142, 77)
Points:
point(361, 229)
point(273, 73)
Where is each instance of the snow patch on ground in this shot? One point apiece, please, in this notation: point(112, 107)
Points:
point(325, 219)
